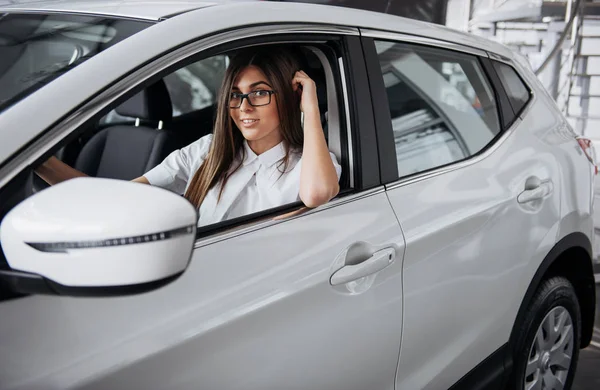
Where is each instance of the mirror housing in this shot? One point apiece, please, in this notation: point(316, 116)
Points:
point(92, 236)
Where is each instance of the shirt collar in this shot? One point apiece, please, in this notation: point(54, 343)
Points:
point(268, 158)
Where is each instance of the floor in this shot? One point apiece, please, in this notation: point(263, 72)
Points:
point(588, 371)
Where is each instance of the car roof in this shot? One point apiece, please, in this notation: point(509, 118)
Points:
point(139, 9)
point(169, 34)
point(159, 9)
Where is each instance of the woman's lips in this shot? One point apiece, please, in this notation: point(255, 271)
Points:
point(249, 122)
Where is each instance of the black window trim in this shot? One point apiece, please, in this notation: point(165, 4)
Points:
point(521, 78)
point(506, 113)
point(387, 153)
point(381, 112)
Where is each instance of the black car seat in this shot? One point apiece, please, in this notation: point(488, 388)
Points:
point(128, 151)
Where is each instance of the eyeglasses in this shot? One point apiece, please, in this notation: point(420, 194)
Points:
point(256, 98)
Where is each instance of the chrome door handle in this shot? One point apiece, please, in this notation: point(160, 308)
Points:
point(538, 193)
point(348, 273)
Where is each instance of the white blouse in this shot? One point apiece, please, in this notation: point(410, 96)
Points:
point(258, 184)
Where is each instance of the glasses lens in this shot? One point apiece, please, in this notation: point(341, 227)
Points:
point(234, 100)
point(259, 98)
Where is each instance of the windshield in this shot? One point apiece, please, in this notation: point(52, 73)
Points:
point(37, 48)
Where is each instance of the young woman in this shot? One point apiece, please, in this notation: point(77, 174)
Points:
point(259, 155)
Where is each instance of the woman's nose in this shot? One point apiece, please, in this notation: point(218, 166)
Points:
point(245, 106)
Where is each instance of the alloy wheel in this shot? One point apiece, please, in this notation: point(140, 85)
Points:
point(551, 352)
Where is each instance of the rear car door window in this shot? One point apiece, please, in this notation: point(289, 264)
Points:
point(441, 106)
point(191, 88)
point(196, 86)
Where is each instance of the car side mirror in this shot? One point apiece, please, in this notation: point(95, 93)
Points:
point(97, 237)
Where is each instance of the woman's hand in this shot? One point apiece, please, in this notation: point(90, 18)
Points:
point(54, 171)
point(308, 90)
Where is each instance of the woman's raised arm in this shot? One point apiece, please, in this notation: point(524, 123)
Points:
point(318, 177)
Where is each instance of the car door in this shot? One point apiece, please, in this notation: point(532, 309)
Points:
point(254, 310)
point(309, 300)
point(464, 179)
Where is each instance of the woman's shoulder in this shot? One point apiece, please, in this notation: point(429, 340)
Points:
point(193, 154)
point(200, 147)
point(202, 142)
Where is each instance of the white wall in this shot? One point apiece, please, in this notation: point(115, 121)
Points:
point(457, 14)
point(535, 40)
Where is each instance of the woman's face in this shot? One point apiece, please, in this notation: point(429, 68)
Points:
point(259, 125)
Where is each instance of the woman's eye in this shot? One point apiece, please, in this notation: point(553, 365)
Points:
point(261, 93)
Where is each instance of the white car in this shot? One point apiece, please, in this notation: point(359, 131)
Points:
point(594, 145)
point(458, 253)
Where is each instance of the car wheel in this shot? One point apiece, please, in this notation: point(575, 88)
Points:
point(547, 350)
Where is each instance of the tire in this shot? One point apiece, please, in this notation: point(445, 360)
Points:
point(539, 355)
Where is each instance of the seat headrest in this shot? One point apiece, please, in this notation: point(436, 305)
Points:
point(153, 103)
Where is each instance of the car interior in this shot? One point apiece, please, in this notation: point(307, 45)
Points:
point(143, 130)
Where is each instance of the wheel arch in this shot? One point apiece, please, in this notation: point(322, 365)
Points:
point(571, 257)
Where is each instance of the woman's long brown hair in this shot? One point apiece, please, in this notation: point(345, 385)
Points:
point(279, 64)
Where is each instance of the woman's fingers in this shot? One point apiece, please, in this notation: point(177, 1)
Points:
point(301, 78)
point(308, 91)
